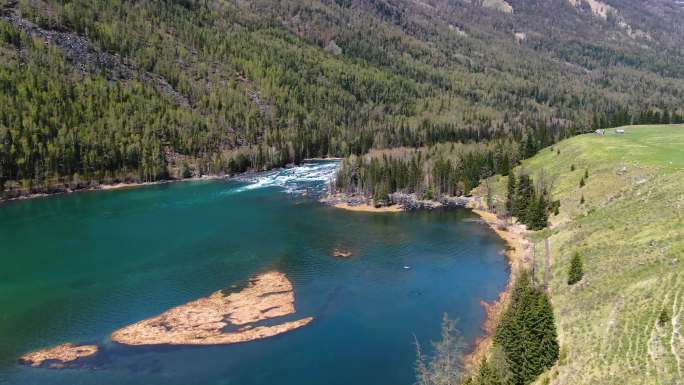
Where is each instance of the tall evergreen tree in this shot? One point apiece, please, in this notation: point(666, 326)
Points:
point(523, 196)
point(527, 332)
point(510, 193)
point(576, 271)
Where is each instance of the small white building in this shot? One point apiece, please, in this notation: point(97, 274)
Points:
point(620, 131)
point(600, 131)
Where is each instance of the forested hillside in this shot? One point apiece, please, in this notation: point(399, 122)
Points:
point(102, 91)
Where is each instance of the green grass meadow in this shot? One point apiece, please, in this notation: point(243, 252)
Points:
point(630, 233)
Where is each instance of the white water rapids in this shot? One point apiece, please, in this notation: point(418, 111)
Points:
point(311, 177)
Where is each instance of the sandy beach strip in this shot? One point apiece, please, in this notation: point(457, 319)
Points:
point(518, 254)
point(366, 208)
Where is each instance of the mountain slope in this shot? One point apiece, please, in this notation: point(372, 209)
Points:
point(258, 84)
point(628, 233)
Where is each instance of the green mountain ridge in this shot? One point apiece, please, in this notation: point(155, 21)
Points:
point(102, 91)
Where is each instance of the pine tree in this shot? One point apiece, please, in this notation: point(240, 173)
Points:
point(488, 375)
point(527, 332)
point(541, 219)
point(537, 216)
point(510, 193)
point(549, 349)
point(576, 271)
point(523, 196)
point(381, 195)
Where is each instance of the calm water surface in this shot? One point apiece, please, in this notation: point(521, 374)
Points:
point(75, 268)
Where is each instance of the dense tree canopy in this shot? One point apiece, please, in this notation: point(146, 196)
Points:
point(95, 91)
point(525, 341)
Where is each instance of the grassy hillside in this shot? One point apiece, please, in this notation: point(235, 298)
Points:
point(630, 234)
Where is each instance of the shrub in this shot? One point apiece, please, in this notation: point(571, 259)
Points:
point(663, 317)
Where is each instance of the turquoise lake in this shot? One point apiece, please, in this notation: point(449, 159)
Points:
point(75, 268)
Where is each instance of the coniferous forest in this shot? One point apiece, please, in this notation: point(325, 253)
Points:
point(105, 91)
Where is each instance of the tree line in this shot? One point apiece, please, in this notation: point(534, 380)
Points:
point(444, 169)
point(453, 169)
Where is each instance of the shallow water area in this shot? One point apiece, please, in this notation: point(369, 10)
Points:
point(77, 267)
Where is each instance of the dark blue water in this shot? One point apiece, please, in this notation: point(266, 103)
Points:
point(75, 268)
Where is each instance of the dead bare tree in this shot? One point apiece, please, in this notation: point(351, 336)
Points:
point(445, 366)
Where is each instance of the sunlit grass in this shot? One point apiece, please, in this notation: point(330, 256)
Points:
point(630, 233)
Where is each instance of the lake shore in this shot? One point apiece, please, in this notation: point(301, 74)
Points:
point(519, 257)
point(366, 208)
point(400, 202)
point(512, 234)
point(358, 203)
point(91, 186)
point(518, 250)
point(107, 187)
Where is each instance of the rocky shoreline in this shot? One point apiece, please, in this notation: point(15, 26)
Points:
point(519, 254)
point(399, 202)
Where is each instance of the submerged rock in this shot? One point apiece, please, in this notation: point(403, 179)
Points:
point(340, 253)
point(209, 320)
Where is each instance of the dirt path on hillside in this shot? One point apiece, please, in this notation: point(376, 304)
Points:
point(547, 265)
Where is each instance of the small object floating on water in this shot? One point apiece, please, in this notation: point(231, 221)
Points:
point(58, 355)
point(406, 267)
point(342, 253)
